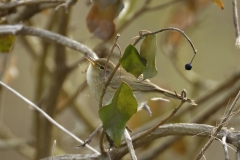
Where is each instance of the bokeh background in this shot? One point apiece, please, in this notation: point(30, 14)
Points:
point(210, 29)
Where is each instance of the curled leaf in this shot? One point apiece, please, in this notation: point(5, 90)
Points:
point(132, 62)
point(148, 51)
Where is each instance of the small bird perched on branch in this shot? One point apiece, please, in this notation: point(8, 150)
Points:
point(143, 91)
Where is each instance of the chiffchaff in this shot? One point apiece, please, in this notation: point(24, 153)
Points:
point(143, 91)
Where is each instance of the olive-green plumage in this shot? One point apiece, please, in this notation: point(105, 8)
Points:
point(97, 75)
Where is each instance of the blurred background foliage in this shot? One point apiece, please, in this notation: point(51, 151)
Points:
point(53, 76)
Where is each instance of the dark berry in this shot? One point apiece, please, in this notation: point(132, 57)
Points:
point(188, 66)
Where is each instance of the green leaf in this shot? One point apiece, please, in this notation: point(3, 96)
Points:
point(132, 62)
point(6, 43)
point(115, 115)
point(148, 51)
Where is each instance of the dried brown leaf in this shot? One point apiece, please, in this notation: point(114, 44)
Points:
point(100, 21)
point(218, 3)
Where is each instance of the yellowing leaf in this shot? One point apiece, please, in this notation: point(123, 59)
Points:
point(218, 3)
point(6, 43)
point(148, 51)
point(132, 62)
point(115, 115)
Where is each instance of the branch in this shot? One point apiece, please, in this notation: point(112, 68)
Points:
point(219, 127)
point(201, 117)
point(235, 22)
point(179, 129)
point(46, 116)
point(165, 119)
point(113, 72)
point(225, 148)
point(130, 145)
point(47, 35)
point(142, 35)
point(233, 81)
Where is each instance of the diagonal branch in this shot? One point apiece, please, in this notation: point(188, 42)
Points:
point(217, 130)
point(46, 116)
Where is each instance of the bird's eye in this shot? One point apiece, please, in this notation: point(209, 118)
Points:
point(101, 67)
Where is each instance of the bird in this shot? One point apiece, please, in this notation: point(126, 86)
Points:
point(100, 69)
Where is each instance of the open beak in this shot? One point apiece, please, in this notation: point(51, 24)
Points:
point(91, 60)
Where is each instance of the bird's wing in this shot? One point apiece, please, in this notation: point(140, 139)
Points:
point(134, 83)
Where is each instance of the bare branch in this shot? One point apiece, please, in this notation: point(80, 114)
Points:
point(219, 127)
point(112, 74)
point(235, 22)
point(47, 35)
point(225, 148)
point(53, 148)
point(46, 116)
point(147, 132)
point(130, 145)
point(201, 117)
point(179, 129)
point(166, 29)
point(90, 137)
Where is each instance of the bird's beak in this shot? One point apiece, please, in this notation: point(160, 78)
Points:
point(91, 60)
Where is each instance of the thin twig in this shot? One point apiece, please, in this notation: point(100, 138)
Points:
point(219, 127)
point(235, 22)
point(46, 116)
point(179, 129)
point(225, 148)
point(130, 145)
point(53, 148)
point(112, 74)
point(166, 29)
point(147, 132)
point(101, 145)
point(20, 29)
point(90, 137)
point(114, 45)
point(107, 83)
point(201, 117)
point(101, 100)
